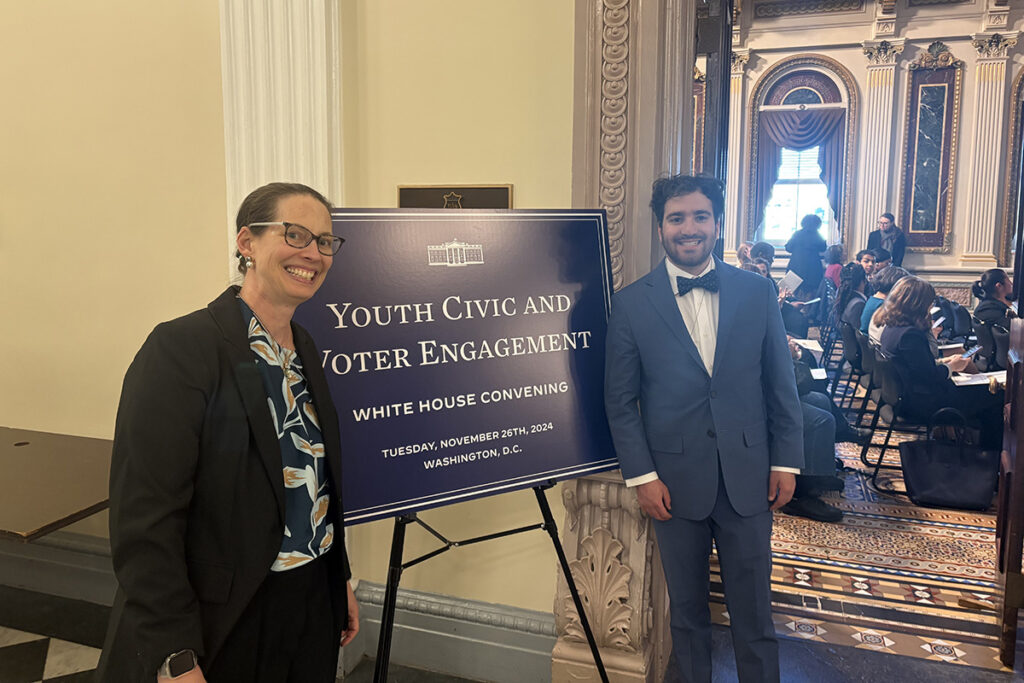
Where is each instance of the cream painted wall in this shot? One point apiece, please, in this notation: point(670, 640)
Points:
point(112, 209)
point(461, 91)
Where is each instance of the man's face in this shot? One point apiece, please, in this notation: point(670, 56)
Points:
point(885, 224)
point(688, 231)
point(867, 262)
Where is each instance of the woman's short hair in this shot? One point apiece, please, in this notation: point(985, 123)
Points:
point(985, 288)
point(751, 266)
point(834, 254)
point(762, 250)
point(885, 280)
point(908, 304)
point(811, 221)
point(260, 206)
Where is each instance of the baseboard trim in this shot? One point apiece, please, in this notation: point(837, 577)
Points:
point(63, 563)
point(465, 638)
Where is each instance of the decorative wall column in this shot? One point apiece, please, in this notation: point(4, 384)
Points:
point(618, 573)
point(733, 229)
point(876, 144)
point(632, 116)
point(282, 98)
point(980, 216)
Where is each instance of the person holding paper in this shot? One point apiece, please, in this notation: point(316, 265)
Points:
point(805, 248)
point(226, 526)
point(905, 320)
point(703, 409)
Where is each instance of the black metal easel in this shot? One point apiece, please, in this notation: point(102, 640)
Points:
point(396, 567)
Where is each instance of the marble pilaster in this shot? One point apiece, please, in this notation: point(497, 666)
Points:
point(876, 147)
point(979, 248)
point(733, 230)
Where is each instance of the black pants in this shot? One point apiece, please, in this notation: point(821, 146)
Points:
point(287, 633)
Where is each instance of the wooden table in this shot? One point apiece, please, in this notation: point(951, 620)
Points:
point(50, 481)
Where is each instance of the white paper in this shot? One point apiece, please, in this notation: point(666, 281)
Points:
point(790, 281)
point(819, 373)
point(809, 344)
point(980, 378)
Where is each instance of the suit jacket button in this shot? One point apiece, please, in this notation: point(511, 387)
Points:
point(711, 433)
point(714, 394)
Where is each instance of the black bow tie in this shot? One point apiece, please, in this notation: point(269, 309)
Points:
point(708, 281)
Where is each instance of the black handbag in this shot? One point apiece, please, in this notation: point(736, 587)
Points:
point(948, 469)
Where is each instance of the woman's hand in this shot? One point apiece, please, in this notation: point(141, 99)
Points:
point(193, 676)
point(961, 364)
point(352, 628)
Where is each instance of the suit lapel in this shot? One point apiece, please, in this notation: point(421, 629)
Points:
point(228, 316)
point(660, 294)
point(729, 299)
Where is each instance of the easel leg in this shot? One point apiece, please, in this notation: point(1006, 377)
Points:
point(387, 617)
point(552, 528)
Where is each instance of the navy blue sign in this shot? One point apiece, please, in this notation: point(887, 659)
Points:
point(465, 353)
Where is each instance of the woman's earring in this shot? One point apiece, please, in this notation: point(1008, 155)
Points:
point(248, 263)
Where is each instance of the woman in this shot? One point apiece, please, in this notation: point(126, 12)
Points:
point(888, 236)
point(851, 298)
point(743, 252)
point(805, 248)
point(834, 263)
point(226, 523)
point(906, 326)
point(882, 283)
point(993, 290)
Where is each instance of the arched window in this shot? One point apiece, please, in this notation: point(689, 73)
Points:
point(802, 117)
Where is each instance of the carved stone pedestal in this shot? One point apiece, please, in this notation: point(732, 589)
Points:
point(612, 552)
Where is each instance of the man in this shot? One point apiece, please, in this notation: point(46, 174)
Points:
point(703, 408)
point(866, 259)
point(888, 236)
point(883, 259)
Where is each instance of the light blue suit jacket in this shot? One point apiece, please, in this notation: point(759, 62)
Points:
point(668, 415)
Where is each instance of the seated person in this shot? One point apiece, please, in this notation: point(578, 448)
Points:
point(851, 297)
point(994, 290)
point(866, 259)
point(881, 282)
point(818, 474)
point(883, 259)
point(834, 263)
point(907, 324)
point(743, 252)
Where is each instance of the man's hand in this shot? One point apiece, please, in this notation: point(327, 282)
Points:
point(352, 628)
point(655, 500)
point(780, 488)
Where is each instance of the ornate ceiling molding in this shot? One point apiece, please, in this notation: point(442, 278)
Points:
point(765, 10)
point(923, 3)
point(882, 52)
point(993, 45)
point(936, 56)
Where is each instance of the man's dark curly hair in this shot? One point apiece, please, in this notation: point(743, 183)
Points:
point(678, 185)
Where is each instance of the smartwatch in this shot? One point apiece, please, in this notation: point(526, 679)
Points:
point(178, 664)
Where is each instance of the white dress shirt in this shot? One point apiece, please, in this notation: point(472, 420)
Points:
point(699, 309)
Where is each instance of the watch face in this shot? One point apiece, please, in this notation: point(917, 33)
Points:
point(181, 663)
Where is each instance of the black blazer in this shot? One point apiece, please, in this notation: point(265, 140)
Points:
point(994, 312)
point(899, 245)
point(929, 386)
point(197, 491)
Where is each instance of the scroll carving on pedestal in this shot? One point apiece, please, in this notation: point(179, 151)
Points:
point(603, 583)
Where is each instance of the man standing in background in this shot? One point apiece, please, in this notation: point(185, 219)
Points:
point(703, 408)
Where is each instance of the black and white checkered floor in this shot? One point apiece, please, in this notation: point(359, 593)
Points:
point(29, 657)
